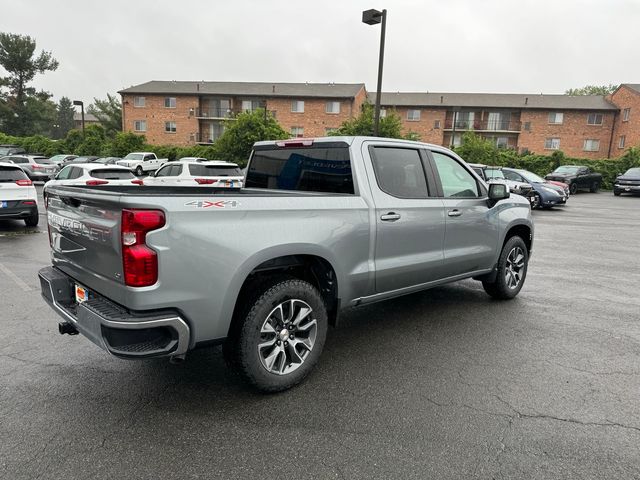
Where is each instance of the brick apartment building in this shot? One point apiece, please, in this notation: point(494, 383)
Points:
point(188, 113)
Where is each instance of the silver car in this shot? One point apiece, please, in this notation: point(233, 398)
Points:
point(36, 167)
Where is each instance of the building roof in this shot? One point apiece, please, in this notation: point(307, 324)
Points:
point(632, 86)
point(88, 117)
point(494, 100)
point(262, 89)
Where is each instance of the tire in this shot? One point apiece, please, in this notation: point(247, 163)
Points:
point(262, 350)
point(616, 193)
point(595, 186)
point(502, 287)
point(139, 171)
point(32, 220)
point(573, 188)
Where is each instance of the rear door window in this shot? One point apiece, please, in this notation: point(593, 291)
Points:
point(323, 168)
point(201, 170)
point(112, 174)
point(8, 174)
point(399, 172)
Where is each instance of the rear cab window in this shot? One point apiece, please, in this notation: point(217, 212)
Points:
point(11, 174)
point(322, 167)
point(112, 174)
point(203, 170)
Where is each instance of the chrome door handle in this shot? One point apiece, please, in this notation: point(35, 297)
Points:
point(390, 217)
point(454, 213)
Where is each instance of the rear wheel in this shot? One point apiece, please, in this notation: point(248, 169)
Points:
point(595, 186)
point(281, 336)
point(32, 220)
point(512, 270)
point(573, 188)
point(139, 171)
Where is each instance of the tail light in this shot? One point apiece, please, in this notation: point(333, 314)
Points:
point(24, 183)
point(140, 263)
point(205, 181)
point(36, 167)
point(28, 202)
point(137, 182)
point(97, 182)
point(307, 142)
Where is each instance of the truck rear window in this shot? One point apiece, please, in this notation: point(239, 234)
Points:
point(214, 171)
point(312, 169)
point(112, 174)
point(8, 174)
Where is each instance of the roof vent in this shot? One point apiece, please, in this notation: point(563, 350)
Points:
point(441, 98)
point(526, 100)
point(273, 89)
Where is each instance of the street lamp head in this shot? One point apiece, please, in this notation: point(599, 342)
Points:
point(78, 102)
point(371, 17)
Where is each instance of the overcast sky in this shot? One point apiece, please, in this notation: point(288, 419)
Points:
point(511, 46)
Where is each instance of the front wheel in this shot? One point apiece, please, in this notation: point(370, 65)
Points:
point(595, 186)
point(139, 171)
point(573, 188)
point(282, 335)
point(512, 270)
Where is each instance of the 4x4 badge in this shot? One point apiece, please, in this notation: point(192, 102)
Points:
point(209, 204)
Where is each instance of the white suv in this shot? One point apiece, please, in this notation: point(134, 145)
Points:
point(18, 196)
point(94, 174)
point(195, 173)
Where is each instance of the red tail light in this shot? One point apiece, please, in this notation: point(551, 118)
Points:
point(36, 167)
point(307, 142)
point(28, 202)
point(97, 182)
point(140, 263)
point(204, 181)
point(137, 182)
point(24, 183)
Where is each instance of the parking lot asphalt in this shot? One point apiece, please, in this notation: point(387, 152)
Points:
point(442, 384)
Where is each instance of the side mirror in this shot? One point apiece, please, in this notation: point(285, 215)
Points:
point(498, 191)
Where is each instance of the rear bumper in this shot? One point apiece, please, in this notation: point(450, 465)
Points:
point(121, 332)
point(19, 211)
point(38, 176)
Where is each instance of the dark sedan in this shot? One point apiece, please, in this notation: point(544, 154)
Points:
point(627, 183)
point(547, 194)
point(87, 159)
point(107, 160)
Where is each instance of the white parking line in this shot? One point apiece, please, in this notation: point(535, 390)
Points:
point(15, 278)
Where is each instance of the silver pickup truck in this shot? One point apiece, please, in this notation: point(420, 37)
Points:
point(320, 225)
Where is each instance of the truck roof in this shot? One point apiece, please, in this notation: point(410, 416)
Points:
point(142, 153)
point(346, 139)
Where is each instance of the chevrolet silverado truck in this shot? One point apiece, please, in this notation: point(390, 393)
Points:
point(142, 162)
point(577, 177)
point(319, 226)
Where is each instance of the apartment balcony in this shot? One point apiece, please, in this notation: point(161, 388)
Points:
point(203, 138)
point(484, 125)
point(214, 113)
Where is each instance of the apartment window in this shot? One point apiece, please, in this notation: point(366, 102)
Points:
point(170, 102)
point(552, 144)
point(591, 145)
point(140, 125)
point(625, 114)
point(297, 131)
point(250, 105)
point(527, 126)
point(413, 115)
point(502, 142)
point(556, 118)
point(436, 124)
point(594, 119)
point(139, 101)
point(621, 141)
point(383, 112)
point(170, 127)
point(297, 106)
point(332, 107)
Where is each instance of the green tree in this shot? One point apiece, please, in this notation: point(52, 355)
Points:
point(592, 90)
point(390, 125)
point(93, 141)
point(475, 149)
point(23, 110)
point(243, 131)
point(108, 112)
point(64, 122)
point(123, 143)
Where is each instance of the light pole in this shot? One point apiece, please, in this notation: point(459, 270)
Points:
point(373, 17)
point(78, 102)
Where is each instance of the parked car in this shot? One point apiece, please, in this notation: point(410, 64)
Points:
point(546, 194)
point(93, 174)
point(321, 225)
point(577, 177)
point(142, 162)
point(37, 168)
point(494, 174)
point(84, 159)
point(195, 173)
point(60, 160)
point(629, 182)
point(7, 149)
point(18, 196)
point(108, 160)
point(565, 188)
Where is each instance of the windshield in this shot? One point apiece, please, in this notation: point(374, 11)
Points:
point(531, 177)
point(215, 170)
point(134, 156)
point(634, 172)
point(567, 169)
point(494, 173)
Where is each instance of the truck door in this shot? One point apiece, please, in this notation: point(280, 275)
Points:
point(409, 220)
point(471, 233)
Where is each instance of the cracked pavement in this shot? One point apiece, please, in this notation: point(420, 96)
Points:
point(444, 384)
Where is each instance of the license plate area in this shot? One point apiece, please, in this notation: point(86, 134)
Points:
point(3, 204)
point(81, 293)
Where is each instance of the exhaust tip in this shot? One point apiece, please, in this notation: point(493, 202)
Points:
point(65, 328)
